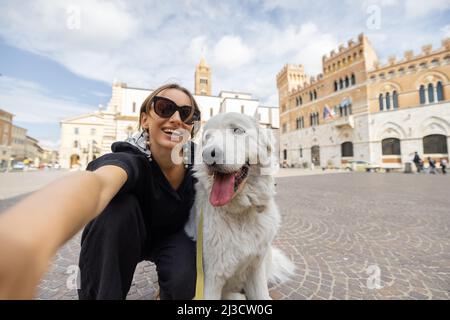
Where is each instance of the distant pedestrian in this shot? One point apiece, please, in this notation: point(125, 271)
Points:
point(417, 161)
point(444, 165)
point(431, 166)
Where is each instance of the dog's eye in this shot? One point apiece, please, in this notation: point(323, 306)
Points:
point(238, 131)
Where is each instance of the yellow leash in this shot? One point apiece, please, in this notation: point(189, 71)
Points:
point(199, 286)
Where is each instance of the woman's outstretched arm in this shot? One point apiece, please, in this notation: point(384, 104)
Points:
point(33, 230)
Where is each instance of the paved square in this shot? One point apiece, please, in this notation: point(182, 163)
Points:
point(344, 231)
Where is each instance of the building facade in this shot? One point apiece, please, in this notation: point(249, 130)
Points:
point(85, 137)
point(19, 143)
point(6, 126)
point(357, 109)
point(33, 152)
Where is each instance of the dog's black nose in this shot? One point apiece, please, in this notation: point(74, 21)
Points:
point(212, 156)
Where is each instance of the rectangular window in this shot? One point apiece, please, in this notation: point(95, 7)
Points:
point(242, 109)
point(134, 107)
point(76, 131)
point(301, 152)
point(204, 81)
point(93, 131)
point(211, 112)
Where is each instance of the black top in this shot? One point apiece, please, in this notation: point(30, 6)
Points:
point(165, 209)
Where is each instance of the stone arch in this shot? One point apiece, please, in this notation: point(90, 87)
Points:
point(434, 125)
point(74, 160)
point(344, 136)
point(389, 86)
point(314, 141)
point(431, 77)
point(391, 130)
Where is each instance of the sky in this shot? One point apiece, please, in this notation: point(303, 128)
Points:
point(59, 58)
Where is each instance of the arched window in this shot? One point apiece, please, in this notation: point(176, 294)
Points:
point(315, 94)
point(395, 99)
point(285, 154)
point(388, 101)
point(440, 92)
point(422, 94)
point(435, 143)
point(430, 93)
point(75, 144)
point(340, 111)
point(335, 86)
point(341, 84)
point(390, 146)
point(347, 149)
point(300, 100)
point(380, 101)
point(353, 80)
point(347, 82)
point(310, 96)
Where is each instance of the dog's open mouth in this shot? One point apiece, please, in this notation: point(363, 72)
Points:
point(226, 185)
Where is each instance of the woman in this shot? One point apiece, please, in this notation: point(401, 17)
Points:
point(139, 197)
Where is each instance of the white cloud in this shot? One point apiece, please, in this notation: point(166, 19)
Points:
point(305, 44)
point(230, 53)
point(197, 48)
point(30, 103)
point(446, 31)
point(418, 8)
point(284, 4)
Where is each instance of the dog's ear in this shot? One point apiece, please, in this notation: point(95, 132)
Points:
point(268, 161)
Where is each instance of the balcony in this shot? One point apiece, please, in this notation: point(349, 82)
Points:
point(344, 122)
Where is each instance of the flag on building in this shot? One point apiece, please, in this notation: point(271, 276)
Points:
point(328, 113)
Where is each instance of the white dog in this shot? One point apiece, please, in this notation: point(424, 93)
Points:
point(235, 192)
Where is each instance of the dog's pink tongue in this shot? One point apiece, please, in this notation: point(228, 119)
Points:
point(222, 189)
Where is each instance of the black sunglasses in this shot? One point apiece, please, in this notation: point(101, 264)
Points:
point(165, 108)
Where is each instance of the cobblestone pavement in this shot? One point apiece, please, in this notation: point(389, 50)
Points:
point(342, 231)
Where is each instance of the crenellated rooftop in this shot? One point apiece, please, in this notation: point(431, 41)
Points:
point(408, 56)
point(294, 67)
point(310, 83)
point(343, 50)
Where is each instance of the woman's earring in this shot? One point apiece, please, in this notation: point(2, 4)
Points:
point(187, 154)
point(146, 142)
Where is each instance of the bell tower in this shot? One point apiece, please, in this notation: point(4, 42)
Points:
point(203, 79)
